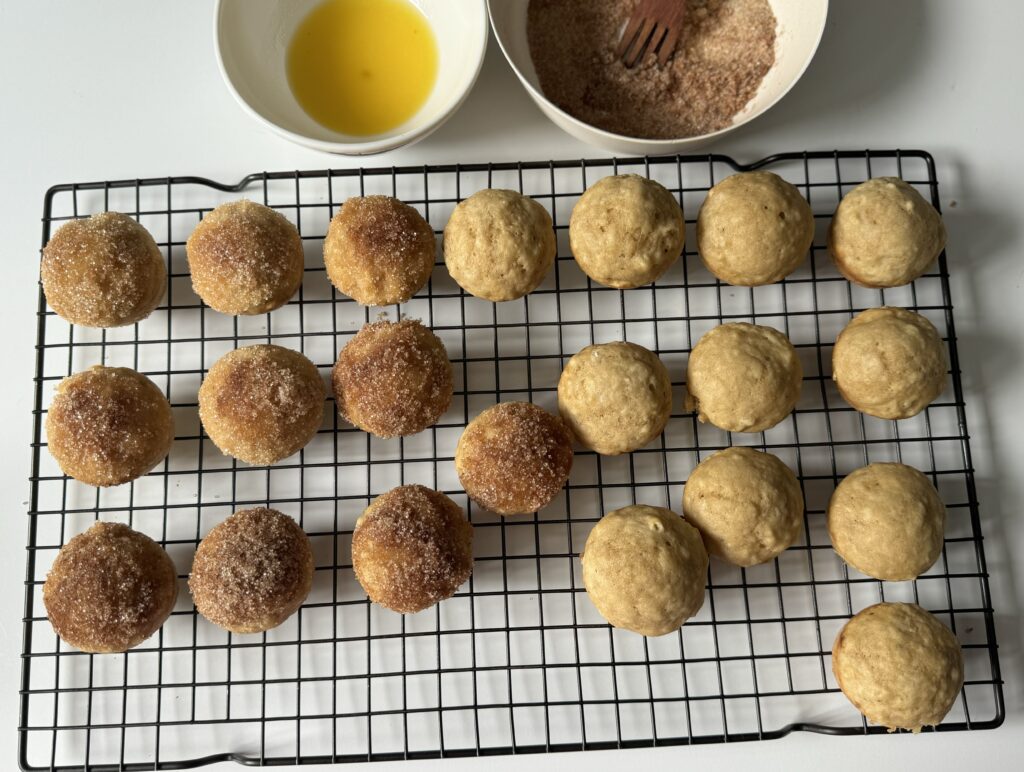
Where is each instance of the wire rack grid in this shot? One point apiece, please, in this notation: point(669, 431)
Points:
point(518, 661)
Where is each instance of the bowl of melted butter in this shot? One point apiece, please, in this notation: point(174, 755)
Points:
point(351, 76)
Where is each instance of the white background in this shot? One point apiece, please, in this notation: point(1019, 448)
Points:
point(93, 91)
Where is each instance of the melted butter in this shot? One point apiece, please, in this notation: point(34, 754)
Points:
point(362, 66)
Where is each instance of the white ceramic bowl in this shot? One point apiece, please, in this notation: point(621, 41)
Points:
point(800, 27)
point(252, 36)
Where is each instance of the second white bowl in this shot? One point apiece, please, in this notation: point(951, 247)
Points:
point(801, 24)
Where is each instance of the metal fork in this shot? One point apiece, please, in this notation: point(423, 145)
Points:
point(655, 25)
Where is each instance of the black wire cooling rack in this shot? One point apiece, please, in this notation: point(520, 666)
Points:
point(518, 661)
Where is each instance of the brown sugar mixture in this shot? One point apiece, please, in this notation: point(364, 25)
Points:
point(725, 50)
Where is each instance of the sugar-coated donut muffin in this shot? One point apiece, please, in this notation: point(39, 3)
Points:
point(626, 230)
point(644, 568)
point(252, 571)
point(889, 362)
point(887, 521)
point(499, 244)
point(108, 425)
point(743, 377)
point(746, 504)
point(103, 271)
point(514, 458)
point(245, 258)
point(379, 250)
point(899, 666)
point(884, 234)
point(109, 589)
point(393, 379)
point(754, 228)
point(615, 397)
point(261, 403)
point(411, 548)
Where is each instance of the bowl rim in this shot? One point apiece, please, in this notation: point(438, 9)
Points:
point(368, 147)
point(671, 143)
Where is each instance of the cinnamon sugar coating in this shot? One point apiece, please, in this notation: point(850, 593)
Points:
point(109, 589)
point(245, 258)
point(108, 425)
point(725, 50)
point(103, 271)
point(411, 548)
point(393, 379)
point(379, 250)
point(252, 571)
point(514, 458)
point(261, 403)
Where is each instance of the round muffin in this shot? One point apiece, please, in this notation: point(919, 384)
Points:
point(746, 504)
point(899, 666)
point(499, 245)
point(884, 234)
point(626, 230)
point(514, 458)
point(252, 571)
point(108, 425)
point(393, 379)
point(103, 271)
point(109, 589)
point(754, 228)
point(411, 548)
point(743, 377)
point(261, 403)
point(615, 397)
point(245, 258)
point(889, 363)
point(887, 521)
point(644, 569)
point(379, 250)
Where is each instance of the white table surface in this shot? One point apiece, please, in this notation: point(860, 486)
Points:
point(93, 91)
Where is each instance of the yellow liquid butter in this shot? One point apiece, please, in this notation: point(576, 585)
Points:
point(362, 66)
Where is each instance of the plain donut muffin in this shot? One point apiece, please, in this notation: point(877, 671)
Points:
point(884, 234)
point(644, 569)
point(499, 244)
point(261, 403)
point(889, 363)
point(746, 504)
point(109, 589)
point(754, 228)
point(626, 230)
point(411, 548)
point(379, 250)
point(887, 521)
point(899, 666)
point(245, 258)
point(393, 379)
point(108, 425)
point(514, 458)
point(252, 571)
point(743, 377)
point(103, 271)
point(615, 397)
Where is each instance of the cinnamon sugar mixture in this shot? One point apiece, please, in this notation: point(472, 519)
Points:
point(726, 48)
